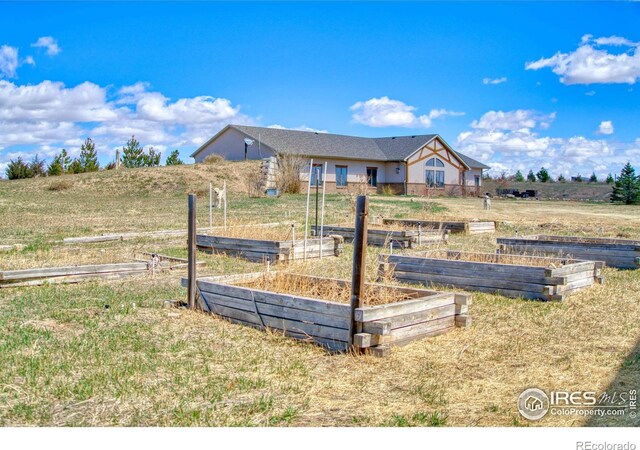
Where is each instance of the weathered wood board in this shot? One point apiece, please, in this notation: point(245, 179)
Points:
point(383, 238)
point(493, 273)
point(272, 251)
point(464, 226)
point(619, 253)
point(326, 322)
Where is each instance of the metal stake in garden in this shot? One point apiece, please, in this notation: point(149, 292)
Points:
point(359, 266)
point(191, 251)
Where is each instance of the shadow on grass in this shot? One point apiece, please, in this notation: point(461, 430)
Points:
point(626, 381)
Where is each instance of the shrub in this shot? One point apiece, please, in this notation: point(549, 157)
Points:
point(254, 185)
point(134, 155)
point(60, 185)
point(387, 189)
point(55, 168)
point(593, 178)
point(18, 169)
point(288, 171)
point(531, 176)
point(213, 158)
point(610, 179)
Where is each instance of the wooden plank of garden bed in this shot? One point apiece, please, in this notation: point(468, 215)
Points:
point(276, 310)
point(48, 272)
point(69, 279)
point(371, 313)
point(387, 326)
point(470, 281)
point(290, 301)
point(459, 265)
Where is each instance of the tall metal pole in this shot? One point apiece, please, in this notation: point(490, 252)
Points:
point(224, 189)
point(317, 188)
point(306, 214)
point(211, 207)
point(359, 268)
point(324, 186)
point(191, 252)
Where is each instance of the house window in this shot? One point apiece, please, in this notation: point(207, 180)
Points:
point(316, 175)
point(341, 176)
point(372, 176)
point(477, 180)
point(432, 176)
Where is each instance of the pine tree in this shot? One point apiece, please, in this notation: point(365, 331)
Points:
point(174, 159)
point(518, 177)
point(561, 178)
point(626, 189)
point(18, 169)
point(55, 168)
point(531, 177)
point(132, 154)
point(89, 157)
point(593, 178)
point(65, 160)
point(579, 179)
point(610, 179)
point(37, 167)
point(75, 166)
point(152, 158)
point(543, 175)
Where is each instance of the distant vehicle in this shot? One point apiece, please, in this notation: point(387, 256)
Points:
point(529, 193)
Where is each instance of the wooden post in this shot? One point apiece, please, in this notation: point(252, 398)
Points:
point(359, 266)
point(117, 159)
point(191, 251)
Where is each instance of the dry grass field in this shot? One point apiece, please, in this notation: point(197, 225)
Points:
point(111, 354)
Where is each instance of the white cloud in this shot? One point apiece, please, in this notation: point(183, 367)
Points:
point(606, 127)
point(589, 64)
point(29, 60)
point(494, 80)
point(49, 43)
point(8, 61)
point(513, 140)
point(386, 112)
point(49, 116)
point(590, 93)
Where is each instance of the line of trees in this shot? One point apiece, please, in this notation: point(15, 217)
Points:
point(543, 176)
point(133, 155)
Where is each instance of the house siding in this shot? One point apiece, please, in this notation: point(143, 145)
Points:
point(230, 144)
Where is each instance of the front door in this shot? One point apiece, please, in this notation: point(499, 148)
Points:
point(372, 176)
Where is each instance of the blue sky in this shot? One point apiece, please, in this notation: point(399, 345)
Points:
point(515, 85)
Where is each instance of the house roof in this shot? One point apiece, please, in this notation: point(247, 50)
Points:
point(326, 145)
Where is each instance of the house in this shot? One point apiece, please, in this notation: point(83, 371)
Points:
point(419, 164)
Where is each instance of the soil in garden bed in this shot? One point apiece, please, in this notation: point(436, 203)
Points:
point(327, 289)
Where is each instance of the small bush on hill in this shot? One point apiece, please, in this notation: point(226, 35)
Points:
point(213, 158)
point(60, 185)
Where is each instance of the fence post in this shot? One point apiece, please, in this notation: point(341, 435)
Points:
point(359, 266)
point(191, 251)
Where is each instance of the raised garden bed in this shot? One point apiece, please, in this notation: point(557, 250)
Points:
point(317, 309)
point(620, 253)
point(464, 226)
point(509, 275)
point(270, 250)
point(383, 237)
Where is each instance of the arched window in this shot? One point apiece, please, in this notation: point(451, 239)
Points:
point(433, 177)
point(435, 162)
